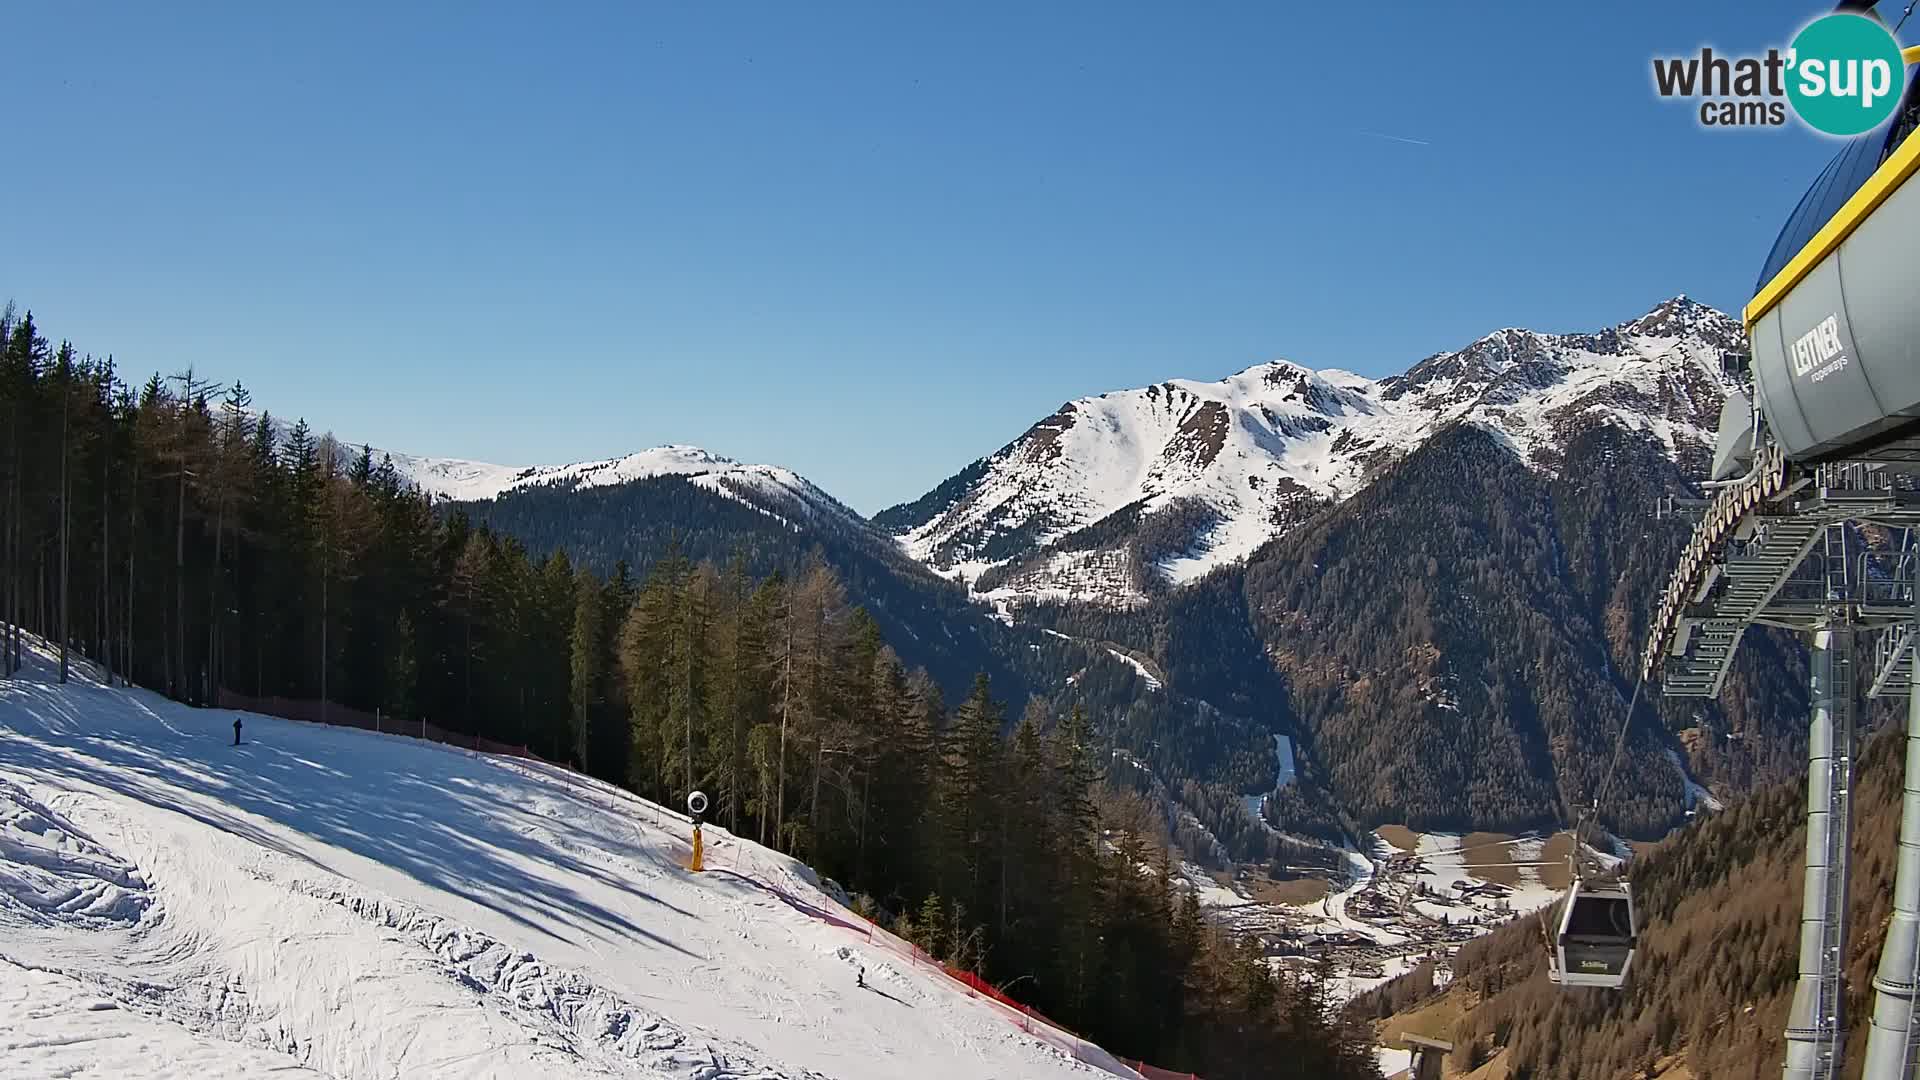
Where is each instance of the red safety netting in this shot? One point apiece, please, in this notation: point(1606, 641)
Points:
point(1151, 1073)
point(325, 712)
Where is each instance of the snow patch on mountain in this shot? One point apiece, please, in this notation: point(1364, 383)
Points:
point(1283, 761)
point(1695, 796)
point(1138, 667)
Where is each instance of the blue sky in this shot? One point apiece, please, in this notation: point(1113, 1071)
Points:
point(867, 242)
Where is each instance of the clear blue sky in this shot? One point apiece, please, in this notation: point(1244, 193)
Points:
point(866, 242)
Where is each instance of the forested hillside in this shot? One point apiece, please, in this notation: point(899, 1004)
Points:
point(1205, 743)
point(1209, 729)
point(1711, 984)
point(188, 544)
point(1454, 638)
point(929, 618)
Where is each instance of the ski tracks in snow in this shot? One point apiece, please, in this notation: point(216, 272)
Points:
point(583, 1016)
point(172, 972)
point(335, 903)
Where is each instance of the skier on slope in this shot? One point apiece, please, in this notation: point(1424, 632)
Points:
point(236, 731)
point(860, 978)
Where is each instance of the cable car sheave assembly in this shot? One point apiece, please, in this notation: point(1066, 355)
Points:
point(1829, 440)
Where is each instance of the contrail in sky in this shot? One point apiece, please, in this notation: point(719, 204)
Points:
point(1396, 138)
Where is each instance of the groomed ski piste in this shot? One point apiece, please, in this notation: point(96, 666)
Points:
point(328, 902)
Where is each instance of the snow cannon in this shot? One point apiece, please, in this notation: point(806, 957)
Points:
point(697, 805)
point(1834, 324)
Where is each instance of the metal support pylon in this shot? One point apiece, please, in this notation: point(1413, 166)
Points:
point(1816, 1026)
point(1893, 1042)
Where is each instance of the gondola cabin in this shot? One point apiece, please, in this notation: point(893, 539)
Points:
point(1597, 939)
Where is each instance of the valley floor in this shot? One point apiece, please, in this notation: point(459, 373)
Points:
point(329, 902)
point(1411, 896)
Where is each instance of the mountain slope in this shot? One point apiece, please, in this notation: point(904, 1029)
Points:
point(1445, 650)
point(1216, 729)
point(929, 621)
point(1447, 644)
point(1444, 645)
point(637, 507)
point(1720, 909)
point(1115, 496)
point(361, 905)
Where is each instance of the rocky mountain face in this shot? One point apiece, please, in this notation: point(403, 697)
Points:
point(1115, 498)
point(1441, 616)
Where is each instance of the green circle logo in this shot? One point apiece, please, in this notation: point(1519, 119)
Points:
point(1846, 76)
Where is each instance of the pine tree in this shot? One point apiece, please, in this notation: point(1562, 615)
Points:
point(972, 768)
point(932, 926)
point(229, 479)
point(589, 616)
point(403, 671)
point(687, 649)
point(63, 378)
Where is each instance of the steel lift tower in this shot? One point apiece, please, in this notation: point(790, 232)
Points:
point(1829, 441)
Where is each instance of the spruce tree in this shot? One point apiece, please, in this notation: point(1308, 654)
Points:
point(589, 615)
point(402, 671)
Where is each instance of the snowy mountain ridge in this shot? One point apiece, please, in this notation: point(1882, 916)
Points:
point(465, 481)
point(778, 492)
point(1116, 494)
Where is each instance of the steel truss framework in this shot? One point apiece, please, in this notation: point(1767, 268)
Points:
point(1748, 564)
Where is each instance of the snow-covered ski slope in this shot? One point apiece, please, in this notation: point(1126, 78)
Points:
point(330, 902)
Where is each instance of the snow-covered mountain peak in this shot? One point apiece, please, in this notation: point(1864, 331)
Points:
point(1279, 382)
point(1113, 493)
point(1679, 316)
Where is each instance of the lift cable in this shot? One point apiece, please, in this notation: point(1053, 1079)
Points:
point(1593, 810)
point(1613, 766)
